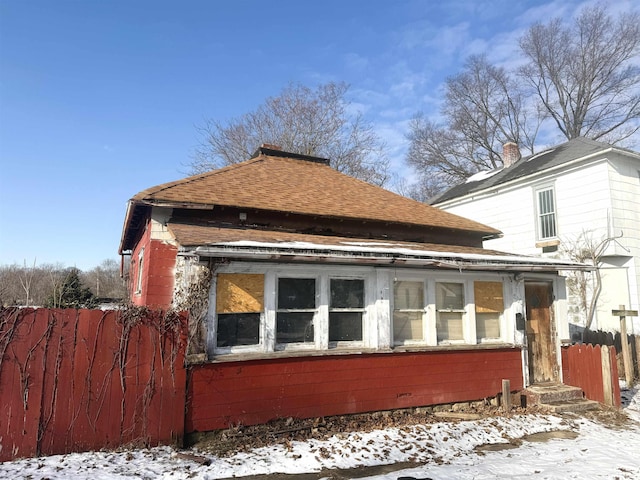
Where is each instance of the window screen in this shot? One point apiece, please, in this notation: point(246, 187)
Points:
point(449, 311)
point(296, 309)
point(346, 309)
point(408, 310)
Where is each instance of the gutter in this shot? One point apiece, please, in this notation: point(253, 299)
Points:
point(451, 261)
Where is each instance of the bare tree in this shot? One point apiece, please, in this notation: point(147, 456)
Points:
point(300, 120)
point(587, 75)
point(104, 281)
point(483, 110)
point(26, 278)
point(586, 286)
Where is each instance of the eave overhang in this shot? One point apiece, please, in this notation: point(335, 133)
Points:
point(367, 255)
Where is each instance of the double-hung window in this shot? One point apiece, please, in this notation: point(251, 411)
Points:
point(546, 210)
point(346, 310)
point(296, 310)
point(408, 312)
point(450, 312)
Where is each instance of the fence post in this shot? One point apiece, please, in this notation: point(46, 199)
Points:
point(506, 395)
point(637, 353)
point(607, 380)
point(626, 353)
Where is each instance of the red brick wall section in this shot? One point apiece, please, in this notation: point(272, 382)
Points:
point(254, 392)
point(78, 380)
point(158, 272)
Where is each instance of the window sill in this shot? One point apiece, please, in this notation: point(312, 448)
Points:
point(548, 243)
point(248, 356)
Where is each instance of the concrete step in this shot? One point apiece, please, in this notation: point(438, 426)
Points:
point(551, 393)
point(573, 406)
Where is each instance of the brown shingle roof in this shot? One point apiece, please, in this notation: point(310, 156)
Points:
point(302, 187)
point(189, 235)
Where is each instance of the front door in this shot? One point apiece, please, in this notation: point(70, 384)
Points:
point(541, 345)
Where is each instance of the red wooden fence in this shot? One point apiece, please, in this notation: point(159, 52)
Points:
point(582, 367)
point(77, 380)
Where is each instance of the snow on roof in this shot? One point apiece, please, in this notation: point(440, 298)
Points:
point(390, 250)
point(483, 175)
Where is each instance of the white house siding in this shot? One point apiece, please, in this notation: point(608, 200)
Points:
point(624, 184)
point(598, 199)
point(519, 237)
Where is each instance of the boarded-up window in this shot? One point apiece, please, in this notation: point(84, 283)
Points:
point(239, 304)
point(449, 311)
point(408, 310)
point(489, 307)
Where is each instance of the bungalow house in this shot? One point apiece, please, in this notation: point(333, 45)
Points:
point(577, 196)
point(312, 293)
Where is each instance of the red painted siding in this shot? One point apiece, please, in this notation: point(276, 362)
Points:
point(253, 392)
point(158, 270)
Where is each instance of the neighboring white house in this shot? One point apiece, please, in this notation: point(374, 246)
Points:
point(553, 201)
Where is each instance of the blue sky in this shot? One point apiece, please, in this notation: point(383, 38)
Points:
point(101, 99)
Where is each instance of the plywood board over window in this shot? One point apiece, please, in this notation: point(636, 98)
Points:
point(488, 297)
point(239, 293)
point(489, 306)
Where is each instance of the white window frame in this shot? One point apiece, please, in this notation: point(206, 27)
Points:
point(297, 345)
point(138, 290)
point(425, 309)
point(503, 315)
point(465, 312)
point(377, 314)
point(538, 191)
point(363, 310)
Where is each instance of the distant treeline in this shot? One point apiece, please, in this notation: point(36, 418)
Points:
point(54, 285)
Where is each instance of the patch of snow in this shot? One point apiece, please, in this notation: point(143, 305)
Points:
point(477, 177)
point(444, 450)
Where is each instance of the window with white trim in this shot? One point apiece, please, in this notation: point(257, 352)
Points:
point(265, 308)
point(239, 309)
point(546, 211)
point(408, 312)
point(346, 309)
point(296, 309)
point(450, 312)
point(489, 308)
point(138, 290)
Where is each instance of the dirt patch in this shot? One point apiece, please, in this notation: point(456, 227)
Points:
point(553, 434)
point(227, 442)
point(496, 447)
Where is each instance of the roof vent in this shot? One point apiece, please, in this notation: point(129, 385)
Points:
point(276, 151)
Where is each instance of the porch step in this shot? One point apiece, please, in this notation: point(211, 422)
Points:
point(558, 398)
point(549, 393)
point(574, 406)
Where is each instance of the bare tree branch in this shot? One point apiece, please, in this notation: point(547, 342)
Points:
point(300, 120)
point(587, 75)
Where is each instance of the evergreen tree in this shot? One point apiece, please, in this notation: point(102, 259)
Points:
point(71, 293)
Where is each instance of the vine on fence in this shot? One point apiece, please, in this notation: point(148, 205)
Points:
point(60, 347)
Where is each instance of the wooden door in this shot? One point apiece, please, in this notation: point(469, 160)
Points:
point(541, 345)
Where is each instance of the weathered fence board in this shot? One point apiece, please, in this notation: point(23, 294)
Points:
point(76, 380)
point(582, 367)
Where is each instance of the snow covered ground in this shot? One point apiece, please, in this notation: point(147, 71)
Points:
point(578, 448)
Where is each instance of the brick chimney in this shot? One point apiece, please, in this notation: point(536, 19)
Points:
point(510, 154)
